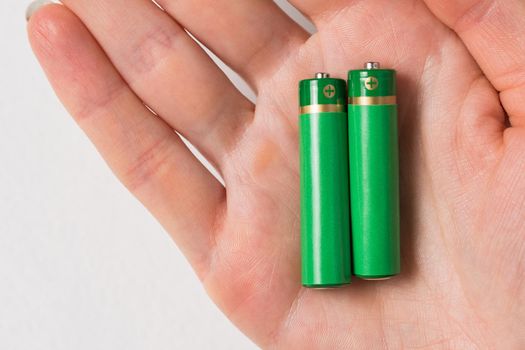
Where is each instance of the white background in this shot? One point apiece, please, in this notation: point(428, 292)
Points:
point(82, 264)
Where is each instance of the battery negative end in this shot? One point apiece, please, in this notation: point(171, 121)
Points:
point(376, 278)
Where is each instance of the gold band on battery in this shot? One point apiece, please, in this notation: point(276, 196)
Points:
point(322, 108)
point(372, 100)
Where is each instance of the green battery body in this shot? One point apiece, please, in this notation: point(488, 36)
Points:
point(374, 172)
point(325, 196)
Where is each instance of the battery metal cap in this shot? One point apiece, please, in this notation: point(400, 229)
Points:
point(372, 85)
point(322, 94)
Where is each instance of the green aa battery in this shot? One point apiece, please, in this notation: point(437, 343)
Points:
point(374, 171)
point(325, 207)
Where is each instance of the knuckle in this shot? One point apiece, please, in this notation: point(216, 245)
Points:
point(147, 166)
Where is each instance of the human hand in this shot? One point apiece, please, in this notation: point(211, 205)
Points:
point(462, 161)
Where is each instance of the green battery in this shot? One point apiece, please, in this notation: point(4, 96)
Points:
point(325, 196)
point(374, 171)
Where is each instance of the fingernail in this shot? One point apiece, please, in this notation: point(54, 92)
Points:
point(34, 6)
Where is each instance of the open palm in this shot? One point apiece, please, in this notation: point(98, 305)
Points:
point(461, 68)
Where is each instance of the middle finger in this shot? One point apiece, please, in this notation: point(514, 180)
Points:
point(251, 36)
point(168, 71)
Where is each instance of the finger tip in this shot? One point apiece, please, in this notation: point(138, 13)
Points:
point(53, 32)
point(35, 6)
point(42, 19)
point(48, 23)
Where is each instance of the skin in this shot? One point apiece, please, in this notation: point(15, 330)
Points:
point(461, 68)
